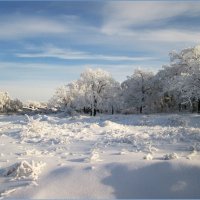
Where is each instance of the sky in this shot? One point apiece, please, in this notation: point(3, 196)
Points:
point(46, 44)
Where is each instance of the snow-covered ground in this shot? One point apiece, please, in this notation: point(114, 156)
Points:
point(119, 156)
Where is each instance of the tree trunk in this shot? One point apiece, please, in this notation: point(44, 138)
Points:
point(193, 107)
point(91, 111)
point(112, 110)
point(140, 109)
point(95, 112)
point(198, 106)
point(94, 107)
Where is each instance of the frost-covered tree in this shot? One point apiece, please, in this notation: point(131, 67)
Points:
point(15, 105)
point(111, 99)
point(61, 98)
point(137, 89)
point(97, 84)
point(173, 87)
point(185, 67)
point(95, 91)
point(9, 105)
point(4, 101)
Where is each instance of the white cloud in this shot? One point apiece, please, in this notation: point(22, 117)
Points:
point(121, 15)
point(171, 35)
point(165, 35)
point(16, 27)
point(55, 52)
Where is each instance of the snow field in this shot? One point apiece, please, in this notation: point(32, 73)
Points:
point(99, 157)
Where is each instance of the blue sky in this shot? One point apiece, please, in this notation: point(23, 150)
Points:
point(47, 44)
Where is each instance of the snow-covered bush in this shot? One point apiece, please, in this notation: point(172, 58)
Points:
point(9, 105)
point(4, 101)
point(170, 156)
point(24, 170)
point(16, 105)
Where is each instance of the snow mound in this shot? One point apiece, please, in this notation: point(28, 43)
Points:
point(170, 156)
point(112, 125)
point(24, 170)
point(94, 126)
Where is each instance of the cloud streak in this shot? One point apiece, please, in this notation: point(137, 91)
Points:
point(121, 16)
point(17, 27)
point(67, 54)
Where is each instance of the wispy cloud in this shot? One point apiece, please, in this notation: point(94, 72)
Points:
point(163, 35)
point(68, 54)
point(121, 16)
point(172, 35)
point(23, 26)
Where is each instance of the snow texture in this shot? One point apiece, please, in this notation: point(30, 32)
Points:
point(107, 156)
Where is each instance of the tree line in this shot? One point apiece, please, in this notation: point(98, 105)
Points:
point(175, 87)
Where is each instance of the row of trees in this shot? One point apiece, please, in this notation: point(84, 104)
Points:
point(175, 87)
point(8, 105)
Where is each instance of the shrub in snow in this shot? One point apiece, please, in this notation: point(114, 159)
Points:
point(4, 101)
point(192, 154)
point(170, 156)
point(9, 105)
point(24, 170)
point(94, 157)
point(15, 105)
point(35, 126)
point(148, 157)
